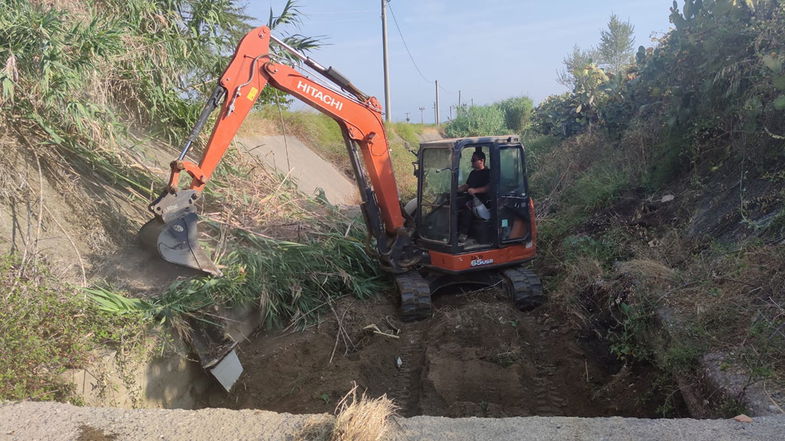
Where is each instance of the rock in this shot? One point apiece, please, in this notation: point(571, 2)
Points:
point(742, 418)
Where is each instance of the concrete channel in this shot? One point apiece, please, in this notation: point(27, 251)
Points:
point(57, 421)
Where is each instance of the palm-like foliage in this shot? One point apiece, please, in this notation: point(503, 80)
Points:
point(290, 16)
point(74, 77)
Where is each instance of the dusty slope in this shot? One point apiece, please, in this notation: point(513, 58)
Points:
point(290, 156)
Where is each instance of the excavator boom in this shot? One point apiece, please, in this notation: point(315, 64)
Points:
point(173, 230)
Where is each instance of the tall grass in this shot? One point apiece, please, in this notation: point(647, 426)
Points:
point(288, 281)
point(46, 328)
point(80, 78)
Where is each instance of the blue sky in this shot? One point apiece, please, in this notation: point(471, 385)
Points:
point(488, 49)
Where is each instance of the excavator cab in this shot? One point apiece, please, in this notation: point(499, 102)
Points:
point(466, 243)
point(452, 221)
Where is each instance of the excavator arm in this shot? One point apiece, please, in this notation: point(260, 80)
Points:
point(173, 230)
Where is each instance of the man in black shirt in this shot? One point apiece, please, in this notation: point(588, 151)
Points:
point(477, 184)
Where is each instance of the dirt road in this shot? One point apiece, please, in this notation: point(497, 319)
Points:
point(290, 156)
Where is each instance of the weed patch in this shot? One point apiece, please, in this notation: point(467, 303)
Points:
point(46, 328)
point(598, 186)
point(288, 281)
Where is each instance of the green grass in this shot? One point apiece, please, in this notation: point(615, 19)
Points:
point(47, 327)
point(598, 186)
point(289, 281)
point(606, 248)
point(537, 147)
point(404, 139)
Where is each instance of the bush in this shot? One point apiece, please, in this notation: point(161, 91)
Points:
point(476, 121)
point(537, 147)
point(512, 115)
point(46, 328)
point(517, 113)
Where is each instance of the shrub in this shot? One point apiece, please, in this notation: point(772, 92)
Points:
point(46, 328)
point(477, 121)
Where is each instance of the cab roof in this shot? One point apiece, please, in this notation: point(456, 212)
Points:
point(459, 143)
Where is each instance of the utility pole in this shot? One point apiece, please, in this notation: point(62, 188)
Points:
point(421, 117)
point(459, 98)
point(387, 106)
point(436, 83)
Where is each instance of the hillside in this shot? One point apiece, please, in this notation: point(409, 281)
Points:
point(661, 201)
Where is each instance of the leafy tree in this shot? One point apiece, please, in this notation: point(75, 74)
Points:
point(477, 121)
point(556, 116)
point(589, 93)
point(575, 62)
point(616, 45)
point(517, 113)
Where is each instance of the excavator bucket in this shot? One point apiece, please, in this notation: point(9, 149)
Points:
point(173, 232)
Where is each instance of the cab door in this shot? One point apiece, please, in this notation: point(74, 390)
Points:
point(512, 196)
point(434, 197)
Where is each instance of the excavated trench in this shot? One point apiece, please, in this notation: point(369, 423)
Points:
point(477, 356)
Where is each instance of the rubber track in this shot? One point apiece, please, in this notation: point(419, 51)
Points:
point(406, 391)
point(548, 399)
point(525, 287)
point(415, 296)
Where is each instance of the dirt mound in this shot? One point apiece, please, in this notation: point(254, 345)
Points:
point(477, 356)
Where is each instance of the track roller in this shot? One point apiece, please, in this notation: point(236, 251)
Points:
point(525, 288)
point(415, 294)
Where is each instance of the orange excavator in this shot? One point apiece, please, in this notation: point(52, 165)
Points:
point(419, 244)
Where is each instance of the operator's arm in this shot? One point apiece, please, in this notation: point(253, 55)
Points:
point(480, 190)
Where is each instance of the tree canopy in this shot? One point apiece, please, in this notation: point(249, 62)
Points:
point(615, 51)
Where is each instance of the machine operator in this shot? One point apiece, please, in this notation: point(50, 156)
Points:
point(477, 184)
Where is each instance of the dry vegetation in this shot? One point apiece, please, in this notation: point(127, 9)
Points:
point(357, 418)
point(363, 418)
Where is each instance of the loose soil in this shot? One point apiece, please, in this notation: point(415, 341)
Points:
point(477, 356)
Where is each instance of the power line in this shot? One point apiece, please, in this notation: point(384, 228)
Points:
point(395, 20)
